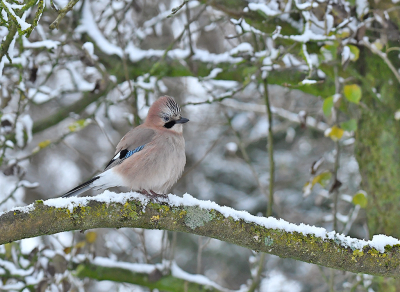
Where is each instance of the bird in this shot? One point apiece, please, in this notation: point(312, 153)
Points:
point(150, 158)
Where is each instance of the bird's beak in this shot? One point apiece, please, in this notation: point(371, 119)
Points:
point(182, 121)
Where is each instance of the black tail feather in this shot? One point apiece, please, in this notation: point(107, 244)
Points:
point(80, 189)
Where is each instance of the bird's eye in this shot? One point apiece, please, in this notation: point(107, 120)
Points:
point(166, 119)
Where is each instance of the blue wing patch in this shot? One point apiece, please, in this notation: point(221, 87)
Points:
point(131, 152)
point(122, 155)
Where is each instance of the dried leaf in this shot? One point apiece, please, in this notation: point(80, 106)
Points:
point(91, 236)
point(316, 165)
point(80, 244)
point(335, 186)
point(335, 133)
point(322, 179)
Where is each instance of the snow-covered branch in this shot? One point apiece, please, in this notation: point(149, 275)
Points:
point(166, 276)
point(379, 256)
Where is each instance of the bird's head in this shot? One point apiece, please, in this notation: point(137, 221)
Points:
point(166, 113)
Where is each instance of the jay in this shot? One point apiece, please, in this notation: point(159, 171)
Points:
point(150, 158)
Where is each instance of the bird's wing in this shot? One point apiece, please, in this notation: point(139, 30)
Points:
point(134, 141)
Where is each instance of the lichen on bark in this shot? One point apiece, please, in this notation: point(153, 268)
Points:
point(41, 218)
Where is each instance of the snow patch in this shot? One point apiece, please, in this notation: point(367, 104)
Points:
point(378, 241)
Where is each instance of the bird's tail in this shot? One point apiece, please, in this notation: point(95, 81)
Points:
point(81, 188)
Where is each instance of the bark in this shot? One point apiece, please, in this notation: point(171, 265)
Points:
point(42, 219)
point(154, 280)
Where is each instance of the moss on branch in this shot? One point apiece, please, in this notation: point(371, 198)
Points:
point(64, 112)
point(154, 280)
point(41, 219)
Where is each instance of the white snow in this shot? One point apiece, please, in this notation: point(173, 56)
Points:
point(176, 271)
point(106, 197)
point(214, 73)
point(134, 267)
point(345, 54)
point(136, 54)
point(244, 26)
point(9, 144)
point(13, 270)
point(336, 97)
point(242, 48)
point(307, 56)
point(48, 44)
point(23, 123)
point(264, 8)
point(10, 51)
point(89, 26)
point(27, 184)
point(21, 22)
point(378, 241)
point(42, 94)
point(362, 8)
point(307, 81)
point(278, 282)
point(397, 115)
point(89, 48)
point(306, 4)
point(307, 36)
point(231, 147)
point(78, 79)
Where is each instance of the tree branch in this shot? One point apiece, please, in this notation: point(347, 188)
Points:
point(110, 210)
point(64, 112)
point(62, 13)
point(145, 275)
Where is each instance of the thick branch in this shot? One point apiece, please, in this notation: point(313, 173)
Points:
point(64, 112)
point(146, 275)
point(110, 210)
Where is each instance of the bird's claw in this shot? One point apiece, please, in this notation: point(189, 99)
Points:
point(153, 195)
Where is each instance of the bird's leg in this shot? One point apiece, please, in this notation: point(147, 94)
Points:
point(152, 195)
point(158, 195)
point(144, 192)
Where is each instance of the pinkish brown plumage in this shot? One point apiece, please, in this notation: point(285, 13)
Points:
point(149, 158)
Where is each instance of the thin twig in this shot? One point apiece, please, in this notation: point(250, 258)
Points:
point(100, 124)
point(351, 220)
point(17, 186)
point(335, 115)
point(62, 13)
point(200, 249)
point(188, 29)
point(336, 192)
point(176, 9)
point(257, 279)
point(280, 112)
point(204, 156)
point(217, 99)
point(246, 156)
point(384, 57)
point(270, 150)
